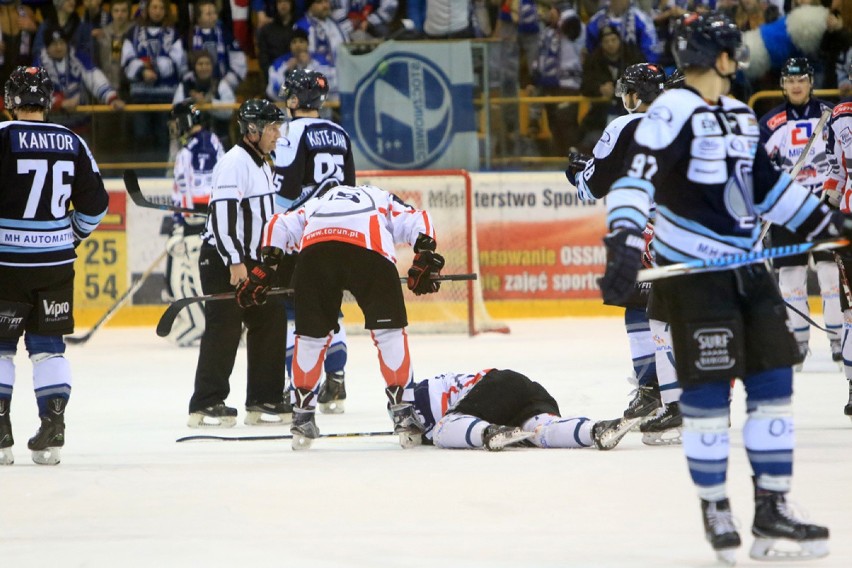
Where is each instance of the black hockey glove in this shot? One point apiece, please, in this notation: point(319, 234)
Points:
point(577, 162)
point(426, 263)
point(840, 225)
point(624, 250)
point(253, 290)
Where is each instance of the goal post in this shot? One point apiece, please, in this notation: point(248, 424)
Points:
point(447, 195)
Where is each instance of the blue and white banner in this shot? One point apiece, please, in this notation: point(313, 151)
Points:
point(409, 105)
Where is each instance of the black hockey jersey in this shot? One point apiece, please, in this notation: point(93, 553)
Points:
point(45, 169)
point(608, 157)
point(710, 178)
point(312, 151)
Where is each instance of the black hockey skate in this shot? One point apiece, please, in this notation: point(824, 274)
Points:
point(263, 413)
point(804, 351)
point(332, 394)
point(304, 429)
point(774, 521)
point(665, 428)
point(837, 352)
point(495, 438)
point(405, 421)
point(216, 416)
point(608, 433)
point(50, 437)
point(6, 440)
point(848, 409)
point(720, 529)
point(645, 402)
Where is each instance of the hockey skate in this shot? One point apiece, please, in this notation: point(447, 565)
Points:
point(267, 413)
point(804, 351)
point(216, 416)
point(405, 421)
point(50, 437)
point(837, 352)
point(332, 394)
point(720, 530)
point(665, 428)
point(6, 440)
point(645, 403)
point(774, 521)
point(848, 409)
point(495, 438)
point(304, 429)
point(608, 433)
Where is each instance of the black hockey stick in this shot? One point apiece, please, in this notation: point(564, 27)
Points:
point(131, 184)
point(78, 339)
point(167, 320)
point(281, 437)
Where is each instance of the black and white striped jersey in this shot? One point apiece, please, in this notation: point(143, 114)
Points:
point(710, 178)
point(608, 157)
point(242, 201)
point(313, 150)
point(45, 169)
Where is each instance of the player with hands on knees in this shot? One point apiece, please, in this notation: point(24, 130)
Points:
point(346, 237)
point(426, 265)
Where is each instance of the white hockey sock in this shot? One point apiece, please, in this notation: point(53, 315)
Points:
point(769, 439)
point(7, 373)
point(641, 347)
point(829, 289)
point(459, 431)
point(394, 359)
point(793, 281)
point(707, 445)
point(666, 375)
point(551, 431)
point(308, 357)
point(847, 344)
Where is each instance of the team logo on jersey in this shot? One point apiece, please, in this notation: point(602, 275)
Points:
point(714, 353)
point(660, 113)
point(404, 107)
point(845, 136)
point(739, 195)
point(800, 133)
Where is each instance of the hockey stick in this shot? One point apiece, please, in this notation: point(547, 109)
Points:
point(131, 184)
point(78, 339)
point(281, 437)
point(736, 260)
point(167, 320)
point(808, 319)
point(800, 163)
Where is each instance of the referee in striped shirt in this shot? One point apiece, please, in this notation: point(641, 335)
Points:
point(241, 203)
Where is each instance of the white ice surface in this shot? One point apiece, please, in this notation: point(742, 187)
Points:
point(127, 495)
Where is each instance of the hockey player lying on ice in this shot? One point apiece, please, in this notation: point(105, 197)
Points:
point(496, 408)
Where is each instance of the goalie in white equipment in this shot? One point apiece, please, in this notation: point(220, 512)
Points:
point(193, 173)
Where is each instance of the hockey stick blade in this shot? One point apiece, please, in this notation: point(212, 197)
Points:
point(736, 260)
point(131, 184)
point(281, 437)
point(167, 320)
point(132, 289)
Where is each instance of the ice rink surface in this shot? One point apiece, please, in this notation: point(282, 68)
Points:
point(127, 495)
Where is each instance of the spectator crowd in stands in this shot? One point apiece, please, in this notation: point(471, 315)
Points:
point(161, 51)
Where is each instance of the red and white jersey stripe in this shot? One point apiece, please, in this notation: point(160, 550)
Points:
point(840, 154)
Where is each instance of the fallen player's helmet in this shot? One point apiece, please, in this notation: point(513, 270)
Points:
point(255, 114)
point(29, 86)
point(309, 87)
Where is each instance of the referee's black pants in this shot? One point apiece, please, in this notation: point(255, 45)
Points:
point(265, 341)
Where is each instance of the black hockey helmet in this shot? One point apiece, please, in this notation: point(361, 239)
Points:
point(676, 80)
point(699, 39)
point(184, 115)
point(309, 87)
point(645, 79)
point(29, 86)
point(796, 66)
point(255, 114)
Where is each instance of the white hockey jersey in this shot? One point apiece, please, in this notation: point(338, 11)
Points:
point(362, 215)
point(840, 154)
point(194, 165)
point(434, 397)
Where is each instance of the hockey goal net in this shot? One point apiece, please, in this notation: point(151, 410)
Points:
point(448, 197)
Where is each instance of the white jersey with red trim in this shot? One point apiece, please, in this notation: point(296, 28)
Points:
point(785, 131)
point(363, 215)
point(840, 154)
point(434, 397)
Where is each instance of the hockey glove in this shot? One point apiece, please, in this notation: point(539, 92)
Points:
point(577, 162)
point(253, 290)
point(426, 263)
point(624, 250)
